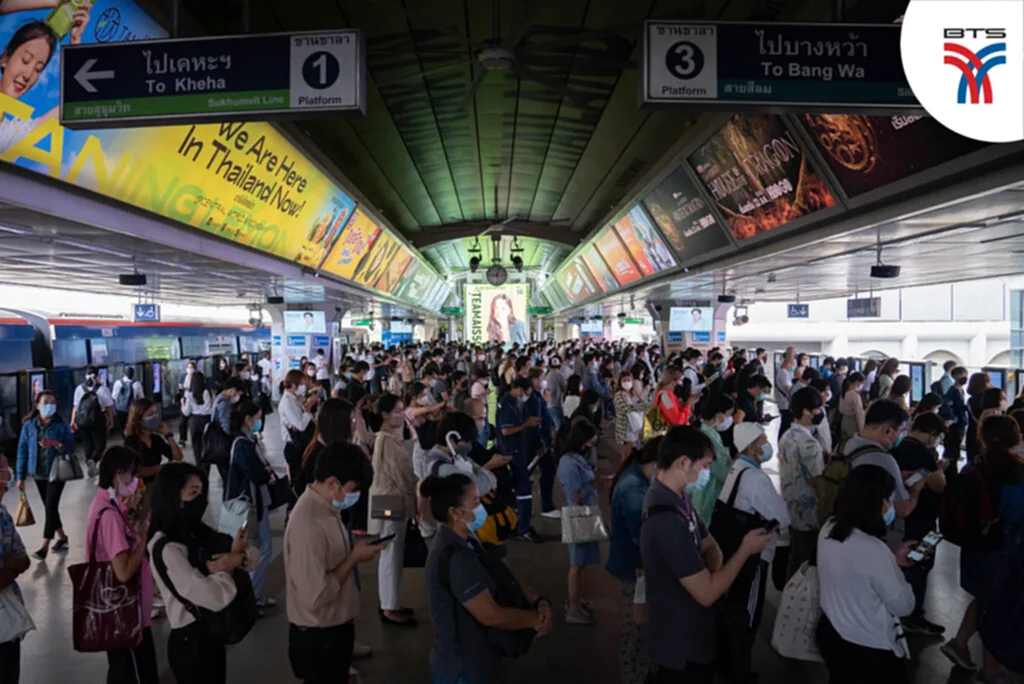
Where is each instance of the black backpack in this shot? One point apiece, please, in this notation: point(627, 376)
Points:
point(969, 510)
point(90, 413)
point(216, 445)
point(729, 525)
point(231, 624)
point(509, 643)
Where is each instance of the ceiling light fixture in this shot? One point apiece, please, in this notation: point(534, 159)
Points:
point(92, 248)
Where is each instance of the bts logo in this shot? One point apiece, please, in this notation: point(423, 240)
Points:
point(974, 66)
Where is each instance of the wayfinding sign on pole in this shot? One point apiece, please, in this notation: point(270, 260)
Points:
point(196, 80)
point(804, 66)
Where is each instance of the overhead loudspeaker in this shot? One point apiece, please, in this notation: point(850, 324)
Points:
point(132, 279)
point(885, 271)
point(726, 299)
point(275, 299)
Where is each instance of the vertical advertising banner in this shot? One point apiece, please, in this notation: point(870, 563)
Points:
point(356, 241)
point(759, 175)
point(497, 314)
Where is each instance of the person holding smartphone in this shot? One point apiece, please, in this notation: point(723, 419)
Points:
point(917, 455)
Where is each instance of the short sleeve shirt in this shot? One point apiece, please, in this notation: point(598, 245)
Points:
point(912, 455)
point(881, 458)
point(156, 453)
point(103, 394)
point(679, 629)
point(510, 415)
point(114, 536)
point(461, 648)
point(800, 461)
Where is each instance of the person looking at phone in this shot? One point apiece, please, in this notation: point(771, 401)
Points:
point(917, 455)
point(44, 436)
point(196, 562)
point(148, 436)
point(319, 565)
point(751, 399)
point(513, 423)
point(863, 588)
point(112, 536)
point(463, 583)
point(683, 564)
point(885, 427)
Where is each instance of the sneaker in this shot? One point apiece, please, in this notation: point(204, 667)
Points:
point(361, 650)
point(60, 546)
point(553, 514)
point(266, 602)
point(588, 606)
point(40, 555)
point(960, 656)
point(530, 535)
point(90, 467)
point(922, 626)
point(580, 618)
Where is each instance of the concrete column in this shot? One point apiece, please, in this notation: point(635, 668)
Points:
point(839, 346)
point(908, 348)
point(978, 355)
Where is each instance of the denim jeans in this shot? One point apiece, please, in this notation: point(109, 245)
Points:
point(264, 542)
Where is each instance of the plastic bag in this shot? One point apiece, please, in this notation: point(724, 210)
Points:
point(15, 622)
point(583, 524)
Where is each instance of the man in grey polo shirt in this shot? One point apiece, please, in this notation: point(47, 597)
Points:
point(885, 425)
point(683, 565)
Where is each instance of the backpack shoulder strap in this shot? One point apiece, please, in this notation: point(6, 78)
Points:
point(862, 451)
point(157, 558)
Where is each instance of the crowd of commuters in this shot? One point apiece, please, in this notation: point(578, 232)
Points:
point(430, 456)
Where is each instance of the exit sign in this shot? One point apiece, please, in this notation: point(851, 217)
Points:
point(633, 321)
point(538, 310)
point(364, 323)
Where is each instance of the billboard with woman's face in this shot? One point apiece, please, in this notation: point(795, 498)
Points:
point(497, 314)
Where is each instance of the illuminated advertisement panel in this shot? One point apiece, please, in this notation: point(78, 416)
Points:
point(616, 256)
point(355, 243)
point(497, 314)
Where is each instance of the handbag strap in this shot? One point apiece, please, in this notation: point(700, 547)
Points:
point(736, 488)
point(157, 557)
point(96, 528)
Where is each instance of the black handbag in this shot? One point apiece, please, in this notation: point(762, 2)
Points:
point(229, 625)
point(281, 493)
point(415, 553)
point(729, 526)
point(216, 445)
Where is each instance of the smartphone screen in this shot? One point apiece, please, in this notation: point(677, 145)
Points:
point(771, 526)
point(383, 540)
point(916, 556)
point(915, 478)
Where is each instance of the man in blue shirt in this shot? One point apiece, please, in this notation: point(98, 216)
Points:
point(539, 440)
point(513, 427)
point(757, 388)
point(954, 407)
point(591, 378)
point(946, 381)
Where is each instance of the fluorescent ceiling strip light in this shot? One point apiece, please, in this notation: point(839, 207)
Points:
point(16, 231)
point(183, 267)
point(92, 248)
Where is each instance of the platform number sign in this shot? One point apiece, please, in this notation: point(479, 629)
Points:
point(680, 62)
point(684, 60)
point(321, 70)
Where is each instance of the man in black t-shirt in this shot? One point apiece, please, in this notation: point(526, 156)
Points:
point(917, 454)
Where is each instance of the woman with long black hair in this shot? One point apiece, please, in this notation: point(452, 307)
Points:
point(198, 400)
point(577, 475)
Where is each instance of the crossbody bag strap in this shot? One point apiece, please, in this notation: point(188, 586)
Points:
point(96, 530)
point(157, 558)
point(736, 488)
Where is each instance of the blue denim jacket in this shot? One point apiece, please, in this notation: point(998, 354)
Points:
point(627, 518)
point(28, 445)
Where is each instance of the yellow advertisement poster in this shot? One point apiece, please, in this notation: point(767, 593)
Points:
point(356, 240)
point(384, 250)
point(390, 278)
point(497, 314)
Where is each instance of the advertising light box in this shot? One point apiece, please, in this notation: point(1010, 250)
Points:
point(643, 242)
point(759, 176)
point(497, 314)
point(684, 218)
point(305, 322)
point(691, 319)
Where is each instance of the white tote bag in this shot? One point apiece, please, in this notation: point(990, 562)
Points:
point(796, 624)
point(583, 524)
point(15, 622)
point(635, 420)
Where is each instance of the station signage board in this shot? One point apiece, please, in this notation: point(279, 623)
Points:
point(633, 321)
point(855, 66)
point(146, 313)
point(221, 78)
point(539, 310)
point(798, 310)
point(867, 307)
point(700, 337)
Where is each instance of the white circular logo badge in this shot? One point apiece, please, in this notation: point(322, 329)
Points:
point(964, 60)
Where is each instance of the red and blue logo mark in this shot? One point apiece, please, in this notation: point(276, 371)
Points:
point(974, 67)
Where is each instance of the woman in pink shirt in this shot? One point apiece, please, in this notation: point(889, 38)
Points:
point(115, 534)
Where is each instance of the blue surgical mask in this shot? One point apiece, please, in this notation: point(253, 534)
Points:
point(257, 426)
point(479, 518)
point(351, 499)
point(703, 477)
point(899, 440)
point(47, 410)
point(522, 400)
point(766, 452)
point(890, 515)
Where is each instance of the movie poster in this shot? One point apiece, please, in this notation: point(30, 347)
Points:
point(758, 175)
point(643, 242)
point(602, 274)
point(616, 256)
point(497, 314)
point(577, 281)
point(684, 217)
point(867, 152)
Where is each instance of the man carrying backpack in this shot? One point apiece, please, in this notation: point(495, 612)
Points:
point(92, 417)
point(126, 390)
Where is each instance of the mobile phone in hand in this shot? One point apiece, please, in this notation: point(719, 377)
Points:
point(925, 547)
point(382, 540)
point(771, 526)
point(915, 478)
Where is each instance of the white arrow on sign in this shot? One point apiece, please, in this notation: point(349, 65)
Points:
point(85, 76)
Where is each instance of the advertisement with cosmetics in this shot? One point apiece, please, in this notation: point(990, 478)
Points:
point(240, 181)
point(497, 314)
point(759, 175)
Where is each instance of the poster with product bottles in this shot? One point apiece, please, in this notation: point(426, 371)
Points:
point(759, 175)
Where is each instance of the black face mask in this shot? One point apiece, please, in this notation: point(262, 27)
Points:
point(195, 508)
point(961, 381)
point(818, 417)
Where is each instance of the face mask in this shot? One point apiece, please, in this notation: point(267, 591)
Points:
point(300, 391)
point(703, 477)
point(397, 420)
point(351, 499)
point(627, 385)
point(890, 515)
point(47, 410)
point(1003, 405)
point(961, 381)
point(125, 378)
point(190, 371)
point(899, 440)
point(424, 400)
point(195, 508)
point(544, 386)
point(151, 423)
point(725, 424)
point(481, 424)
point(766, 452)
point(522, 399)
point(257, 426)
point(126, 490)
point(479, 518)
point(235, 399)
point(246, 375)
point(89, 377)
point(818, 417)
point(761, 397)
point(311, 372)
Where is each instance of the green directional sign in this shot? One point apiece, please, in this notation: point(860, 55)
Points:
point(539, 310)
point(633, 321)
point(453, 311)
point(364, 323)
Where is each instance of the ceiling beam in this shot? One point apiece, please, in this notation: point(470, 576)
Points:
point(431, 235)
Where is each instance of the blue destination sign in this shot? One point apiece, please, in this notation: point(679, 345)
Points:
point(798, 310)
point(222, 78)
point(786, 65)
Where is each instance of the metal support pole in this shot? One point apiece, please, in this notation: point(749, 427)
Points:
point(245, 16)
point(837, 11)
point(175, 10)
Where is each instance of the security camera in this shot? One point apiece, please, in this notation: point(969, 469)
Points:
point(657, 307)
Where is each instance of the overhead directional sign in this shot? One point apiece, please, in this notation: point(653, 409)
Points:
point(856, 66)
point(234, 78)
point(798, 310)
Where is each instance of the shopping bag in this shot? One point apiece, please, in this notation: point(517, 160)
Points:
point(233, 514)
point(636, 422)
point(23, 514)
point(583, 524)
point(15, 622)
point(415, 551)
point(796, 623)
point(106, 614)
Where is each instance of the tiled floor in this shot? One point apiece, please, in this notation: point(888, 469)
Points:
point(570, 655)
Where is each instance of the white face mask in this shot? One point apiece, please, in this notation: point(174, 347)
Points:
point(725, 424)
point(300, 391)
point(311, 372)
point(627, 385)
